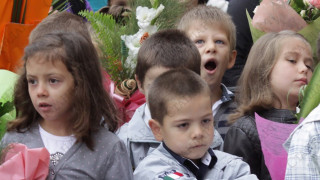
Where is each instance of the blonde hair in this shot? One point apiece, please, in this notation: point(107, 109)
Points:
point(254, 89)
point(209, 15)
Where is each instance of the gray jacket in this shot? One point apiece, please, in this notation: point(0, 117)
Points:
point(139, 139)
point(160, 163)
point(109, 160)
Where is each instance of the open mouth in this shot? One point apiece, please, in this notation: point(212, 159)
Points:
point(210, 66)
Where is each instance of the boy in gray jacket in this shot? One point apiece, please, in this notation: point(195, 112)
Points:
point(164, 50)
point(180, 106)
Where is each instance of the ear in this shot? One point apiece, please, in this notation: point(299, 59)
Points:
point(156, 129)
point(232, 59)
point(140, 86)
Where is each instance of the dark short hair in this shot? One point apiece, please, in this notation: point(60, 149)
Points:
point(171, 85)
point(169, 48)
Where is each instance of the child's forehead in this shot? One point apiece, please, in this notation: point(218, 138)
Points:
point(44, 58)
point(177, 104)
point(198, 24)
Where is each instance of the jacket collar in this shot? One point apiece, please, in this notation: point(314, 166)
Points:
point(207, 162)
point(227, 95)
point(138, 131)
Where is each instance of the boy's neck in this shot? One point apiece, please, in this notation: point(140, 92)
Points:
point(216, 93)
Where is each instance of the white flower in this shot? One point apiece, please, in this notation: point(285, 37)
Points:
point(130, 62)
point(146, 15)
point(221, 4)
point(149, 29)
point(132, 42)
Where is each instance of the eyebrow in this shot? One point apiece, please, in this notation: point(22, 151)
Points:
point(292, 52)
point(188, 119)
point(30, 76)
point(297, 54)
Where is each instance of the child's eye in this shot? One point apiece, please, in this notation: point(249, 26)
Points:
point(309, 67)
point(183, 125)
point(32, 81)
point(219, 42)
point(206, 121)
point(199, 41)
point(292, 61)
point(53, 81)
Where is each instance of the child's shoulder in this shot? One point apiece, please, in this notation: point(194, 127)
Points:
point(136, 129)
point(30, 137)
point(157, 165)
point(232, 166)
point(104, 136)
point(245, 123)
point(136, 119)
point(224, 158)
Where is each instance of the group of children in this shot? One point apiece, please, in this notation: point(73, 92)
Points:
point(183, 129)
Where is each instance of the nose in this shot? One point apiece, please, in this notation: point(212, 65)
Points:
point(210, 47)
point(303, 67)
point(42, 90)
point(197, 132)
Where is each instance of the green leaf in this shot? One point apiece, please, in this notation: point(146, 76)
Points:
point(61, 7)
point(109, 33)
point(6, 111)
point(255, 33)
point(155, 3)
point(311, 33)
point(6, 108)
point(311, 97)
point(297, 5)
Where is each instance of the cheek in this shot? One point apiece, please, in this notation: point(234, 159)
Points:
point(31, 93)
point(208, 131)
point(202, 61)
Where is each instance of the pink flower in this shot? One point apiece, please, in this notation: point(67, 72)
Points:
point(315, 3)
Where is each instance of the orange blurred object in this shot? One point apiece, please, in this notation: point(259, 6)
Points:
point(14, 36)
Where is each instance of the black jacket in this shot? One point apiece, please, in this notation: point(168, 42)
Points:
point(242, 139)
point(237, 10)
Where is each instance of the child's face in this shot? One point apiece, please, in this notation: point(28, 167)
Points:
point(150, 76)
point(213, 44)
point(187, 129)
point(291, 71)
point(50, 87)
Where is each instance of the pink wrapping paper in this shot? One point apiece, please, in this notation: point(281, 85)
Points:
point(272, 135)
point(22, 163)
point(126, 107)
point(275, 16)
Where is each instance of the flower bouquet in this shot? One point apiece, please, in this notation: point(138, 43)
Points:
point(7, 110)
point(301, 16)
point(120, 42)
point(20, 163)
